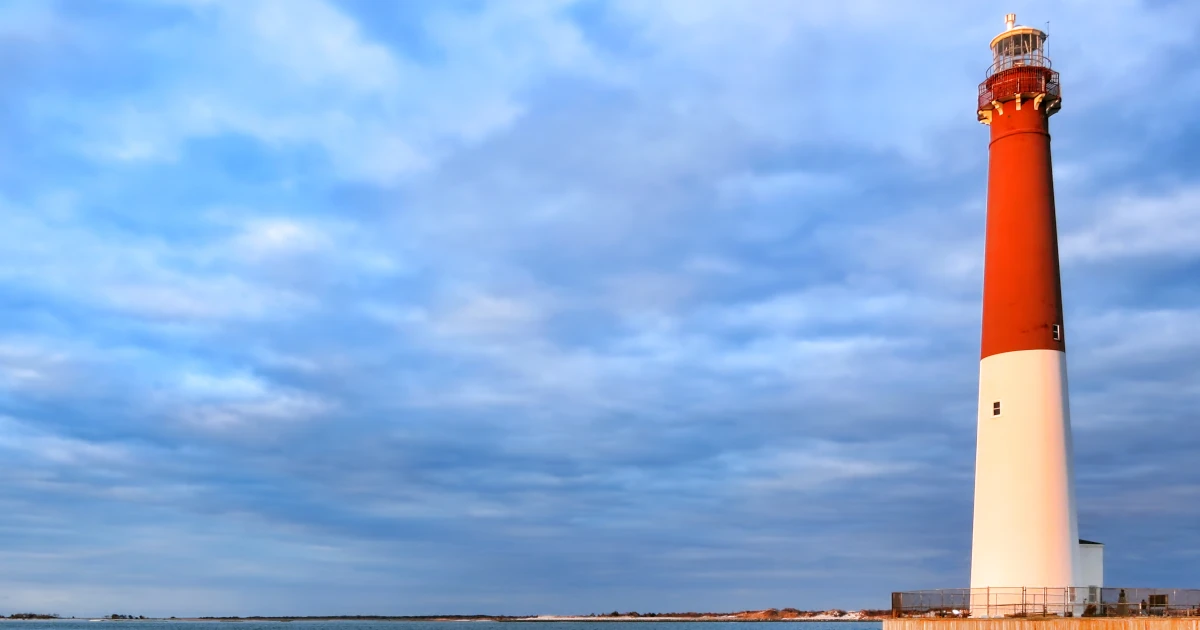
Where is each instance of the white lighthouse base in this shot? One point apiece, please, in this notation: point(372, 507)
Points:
point(1025, 531)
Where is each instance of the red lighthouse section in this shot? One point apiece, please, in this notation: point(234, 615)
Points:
point(1022, 296)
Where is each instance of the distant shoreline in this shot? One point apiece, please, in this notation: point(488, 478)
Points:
point(716, 618)
point(483, 619)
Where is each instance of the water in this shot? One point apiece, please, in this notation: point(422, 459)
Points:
point(75, 624)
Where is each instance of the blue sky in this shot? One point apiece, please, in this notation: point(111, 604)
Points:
point(319, 307)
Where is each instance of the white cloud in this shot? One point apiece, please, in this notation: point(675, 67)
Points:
point(852, 306)
point(180, 297)
point(780, 186)
point(1126, 341)
point(581, 317)
point(263, 238)
point(816, 465)
point(1138, 226)
point(24, 440)
point(264, 268)
point(291, 73)
point(272, 408)
point(489, 315)
point(27, 367)
point(228, 402)
point(312, 43)
point(236, 386)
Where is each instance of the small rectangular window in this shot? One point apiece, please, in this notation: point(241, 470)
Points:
point(1056, 330)
point(996, 408)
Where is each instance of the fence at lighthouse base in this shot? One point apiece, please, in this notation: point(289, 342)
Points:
point(1083, 601)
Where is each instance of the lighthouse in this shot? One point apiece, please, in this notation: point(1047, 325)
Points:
point(1025, 534)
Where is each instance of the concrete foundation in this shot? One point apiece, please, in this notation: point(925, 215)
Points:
point(1127, 623)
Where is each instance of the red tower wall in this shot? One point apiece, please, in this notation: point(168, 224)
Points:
point(1022, 295)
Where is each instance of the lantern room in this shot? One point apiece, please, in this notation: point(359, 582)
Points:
point(1020, 71)
point(1018, 46)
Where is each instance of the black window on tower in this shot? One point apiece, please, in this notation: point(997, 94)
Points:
point(996, 408)
point(1056, 330)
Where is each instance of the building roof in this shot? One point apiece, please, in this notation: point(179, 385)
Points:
point(1089, 542)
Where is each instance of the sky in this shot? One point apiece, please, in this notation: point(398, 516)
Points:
point(554, 306)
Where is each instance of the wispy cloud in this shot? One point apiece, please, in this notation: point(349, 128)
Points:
point(556, 306)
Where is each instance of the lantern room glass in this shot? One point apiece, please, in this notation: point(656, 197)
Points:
point(1023, 47)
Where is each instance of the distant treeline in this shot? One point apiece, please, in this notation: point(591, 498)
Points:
point(770, 613)
point(749, 615)
point(372, 617)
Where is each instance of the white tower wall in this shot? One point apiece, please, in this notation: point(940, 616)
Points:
point(1025, 531)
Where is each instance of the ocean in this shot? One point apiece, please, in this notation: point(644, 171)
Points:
point(78, 624)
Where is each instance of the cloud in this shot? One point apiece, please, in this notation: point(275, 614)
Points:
point(1138, 226)
point(325, 74)
point(226, 402)
point(24, 441)
point(556, 306)
point(142, 278)
point(279, 237)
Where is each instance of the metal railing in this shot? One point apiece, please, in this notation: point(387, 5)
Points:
point(1082, 601)
point(1035, 59)
point(1025, 81)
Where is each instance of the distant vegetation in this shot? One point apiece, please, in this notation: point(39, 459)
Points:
point(770, 614)
point(375, 618)
point(755, 615)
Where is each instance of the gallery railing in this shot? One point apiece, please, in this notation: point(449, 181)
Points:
point(1083, 601)
point(1026, 82)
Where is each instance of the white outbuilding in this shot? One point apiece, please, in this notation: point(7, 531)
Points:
point(1091, 563)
